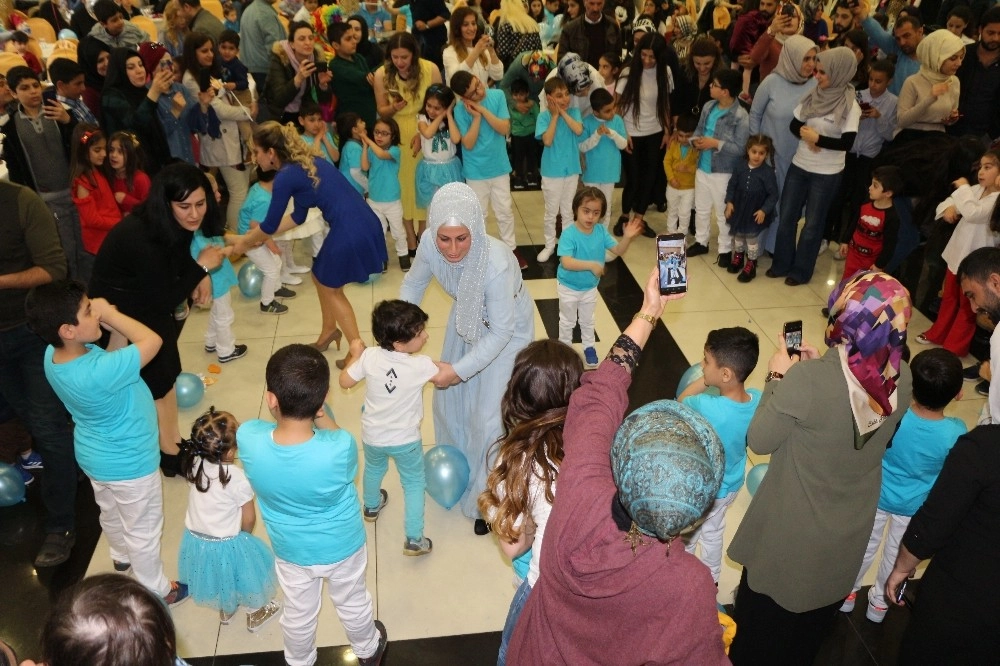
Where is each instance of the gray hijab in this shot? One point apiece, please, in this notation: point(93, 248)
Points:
point(837, 98)
point(789, 65)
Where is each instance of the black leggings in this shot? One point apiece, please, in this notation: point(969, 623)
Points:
point(641, 167)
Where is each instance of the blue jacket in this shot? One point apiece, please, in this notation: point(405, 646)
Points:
point(733, 130)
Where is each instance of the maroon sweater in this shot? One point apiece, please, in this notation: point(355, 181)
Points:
point(595, 602)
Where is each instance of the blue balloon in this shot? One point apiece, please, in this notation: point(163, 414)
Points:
point(190, 390)
point(373, 278)
point(66, 33)
point(692, 375)
point(447, 473)
point(250, 280)
point(11, 485)
point(754, 477)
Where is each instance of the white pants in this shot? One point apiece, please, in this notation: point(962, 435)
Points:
point(609, 190)
point(558, 194)
point(679, 205)
point(709, 195)
point(497, 191)
point(287, 248)
point(237, 182)
point(219, 332)
point(573, 306)
point(132, 519)
point(710, 535)
point(303, 587)
point(391, 215)
point(897, 527)
point(269, 264)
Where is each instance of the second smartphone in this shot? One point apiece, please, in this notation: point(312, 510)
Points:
point(671, 258)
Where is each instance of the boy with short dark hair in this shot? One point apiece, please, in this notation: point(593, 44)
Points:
point(605, 139)
point(558, 127)
point(116, 438)
point(680, 164)
point(911, 465)
point(113, 29)
point(352, 78)
point(523, 144)
point(69, 82)
point(236, 79)
point(868, 243)
point(18, 43)
point(395, 375)
point(316, 133)
point(302, 469)
point(730, 356)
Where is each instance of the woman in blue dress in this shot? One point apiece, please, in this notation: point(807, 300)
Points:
point(492, 319)
point(355, 246)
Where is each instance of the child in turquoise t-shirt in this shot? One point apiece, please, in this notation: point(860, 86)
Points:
point(603, 139)
point(581, 264)
point(730, 356)
point(559, 128)
point(219, 338)
point(316, 133)
point(352, 132)
point(380, 158)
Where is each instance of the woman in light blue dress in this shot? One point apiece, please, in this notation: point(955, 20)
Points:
point(492, 319)
point(771, 113)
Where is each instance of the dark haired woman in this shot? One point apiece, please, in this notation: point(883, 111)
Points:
point(294, 76)
point(145, 269)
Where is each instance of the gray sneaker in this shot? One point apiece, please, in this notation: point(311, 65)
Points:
point(284, 292)
point(371, 515)
point(274, 307)
point(417, 547)
point(258, 618)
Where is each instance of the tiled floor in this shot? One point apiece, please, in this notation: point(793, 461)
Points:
point(464, 587)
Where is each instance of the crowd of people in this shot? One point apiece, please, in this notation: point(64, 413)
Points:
point(141, 170)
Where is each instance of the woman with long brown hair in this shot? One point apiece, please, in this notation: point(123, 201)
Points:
point(470, 49)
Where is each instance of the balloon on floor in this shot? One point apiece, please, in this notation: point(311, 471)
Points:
point(692, 375)
point(754, 477)
point(447, 473)
point(250, 280)
point(11, 485)
point(190, 390)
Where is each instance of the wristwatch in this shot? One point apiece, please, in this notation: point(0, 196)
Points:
point(772, 375)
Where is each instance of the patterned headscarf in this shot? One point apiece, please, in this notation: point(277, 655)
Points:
point(456, 205)
point(538, 64)
point(668, 464)
point(869, 312)
point(575, 72)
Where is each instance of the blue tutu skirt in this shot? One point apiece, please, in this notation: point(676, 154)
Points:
point(227, 573)
point(433, 175)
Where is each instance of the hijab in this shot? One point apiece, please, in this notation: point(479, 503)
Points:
point(117, 78)
point(869, 313)
point(789, 65)
point(933, 50)
point(456, 205)
point(88, 53)
point(837, 98)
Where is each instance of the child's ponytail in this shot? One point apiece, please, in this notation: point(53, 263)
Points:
point(213, 435)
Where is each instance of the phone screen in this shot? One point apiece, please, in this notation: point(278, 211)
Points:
point(671, 257)
point(204, 79)
point(788, 9)
point(793, 336)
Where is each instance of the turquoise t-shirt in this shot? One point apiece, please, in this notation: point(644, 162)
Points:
point(488, 158)
point(604, 161)
point(306, 493)
point(116, 437)
point(350, 158)
point(254, 208)
point(731, 420)
point(383, 177)
point(705, 159)
point(562, 158)
point(585, 247)
point(322, 146)
point(912, 464)
point(223, 277)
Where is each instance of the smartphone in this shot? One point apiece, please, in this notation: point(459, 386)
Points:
point(901, 590)
point(321, 67)
point(788, 9)
point(865, 106)
point(671, 258)
point(204, 79)
point(792, 331)
point(394, 94)
point(166, 64)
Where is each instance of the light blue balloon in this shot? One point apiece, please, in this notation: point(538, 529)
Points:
point(66, 33)
point(373, 278)
point(447, 473)
point(754, 477)
point(250, 280)
point(190, 390)
point(11, 485)
point(692, 375)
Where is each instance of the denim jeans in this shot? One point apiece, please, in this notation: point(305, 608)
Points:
point(24, 387)
point(410, 465)
point(817, 192)
point(516, 606)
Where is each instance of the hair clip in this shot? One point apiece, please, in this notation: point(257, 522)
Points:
point(87, 136)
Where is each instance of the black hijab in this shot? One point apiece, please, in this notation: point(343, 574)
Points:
point(370, 51)
point(89, 52)
point(117, 77)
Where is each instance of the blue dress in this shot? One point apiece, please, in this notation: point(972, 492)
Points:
point(355, 247)
point(750, 190)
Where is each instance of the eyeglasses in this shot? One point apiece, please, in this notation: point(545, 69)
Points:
point(713, 84)
point(382, 133)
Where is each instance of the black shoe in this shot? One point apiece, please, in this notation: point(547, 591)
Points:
point(736, 263)
point(697, 249)
point(412, 253)
point(404, 263)
point(983, 388)
point(519, 184)
point(238, 352)
point(284, 293)
point(770, 273)
point(971, 373)
point(726, 258)
point(749, 271)
point(825, 312)
point(620, 224)
point(481, 527)
point(55, 549)
point(170, 464)
point(661, 207)
point(792, 282)
point(376, 658)
point(647, 230)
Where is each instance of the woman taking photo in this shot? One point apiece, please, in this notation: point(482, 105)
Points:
point(491, 320)
point(355, 246)
point(644, 105)
point(173, 107)
point(400, 86)
point(215, 120)
point(144, 268)
point(469, 49)
point(298, 72)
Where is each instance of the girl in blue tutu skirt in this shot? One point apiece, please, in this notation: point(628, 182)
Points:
point(225, 565)
point(439, 138)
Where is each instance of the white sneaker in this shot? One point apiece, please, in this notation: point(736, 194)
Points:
point(545, 254)
point(848, 604)
point(876, 610)
point(290, 279)
point(298, 270)
point(823, 246)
